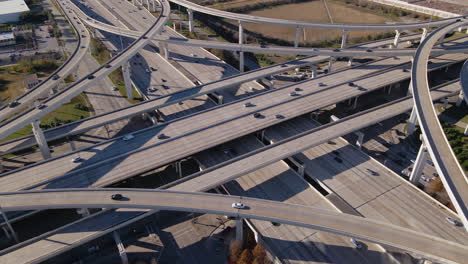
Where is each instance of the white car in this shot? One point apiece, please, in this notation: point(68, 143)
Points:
point(76, 159)
point(238, 205)
point(147, 71)
point(128, 137)
point(453, 221)
point(356, 243)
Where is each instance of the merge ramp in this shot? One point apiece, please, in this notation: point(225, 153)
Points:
point(110, 220)
point(120, 158)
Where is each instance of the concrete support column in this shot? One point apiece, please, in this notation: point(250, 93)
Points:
point(7, 222)
point(190, 16)
point(360, 139)
point(412, 122)
point(466, 130)
point(419, 164)
point(460, 98)
point(120, 246)
point(330, 64)
point(397, 38)
point(389, 89)
point(241, 53)
point(178, 168)
point(83, 212)
point(446, 101)
point(239, 229)
point(314, 71)
point(424, 34)
point(355, 102)
point(298, 36)
point(344, 39)
point(40, 139)
point(164, 50)
point(350, 62)
point(301, 170)
point(72, 143)
point(127, 80)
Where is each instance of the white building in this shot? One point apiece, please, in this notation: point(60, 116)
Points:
point(10, 10)
point(7, 38)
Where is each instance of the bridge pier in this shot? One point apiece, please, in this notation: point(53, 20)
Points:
point(297, 38)
point(460, 98)
point(7, 222)
point(241, 53)
point(344, 39)
point(190, 17)
point(360, 139)
point(330, 64)
point(445, 101)
point(120, 246)
point(314, 71)
point(72, 143)
point(239, 229)
point(424, 34)
point(397, 39)
point(419, 164)
point(127, 80)
point(164, 50)
point(40, 139)
point(84, 212)
point(355, 102)
point(413, 119)
point(178, 168)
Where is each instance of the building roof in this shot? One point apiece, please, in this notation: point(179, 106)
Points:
point(13, 6)
point(6, 36)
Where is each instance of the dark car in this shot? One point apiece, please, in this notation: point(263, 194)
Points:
point(13, 103)
point(56, 77)
point(117, 197)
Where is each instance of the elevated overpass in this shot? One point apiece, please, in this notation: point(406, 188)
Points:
point(45, 87)
point(13, 124)
point(291, 214)
point(450, 171)
point(116, 159)
point(77, 233)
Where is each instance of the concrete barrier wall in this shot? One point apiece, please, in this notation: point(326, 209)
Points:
point(416, 8)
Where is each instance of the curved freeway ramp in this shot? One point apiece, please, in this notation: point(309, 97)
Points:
point(445, 161)
point(464, 80)
point(348, 52)
point(309, 217)
point(44, 88)
point(293, 23)
point(10, 126)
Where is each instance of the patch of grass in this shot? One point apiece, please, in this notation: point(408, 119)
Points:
point(78, 108)
point(459, 143)
point(457, 113)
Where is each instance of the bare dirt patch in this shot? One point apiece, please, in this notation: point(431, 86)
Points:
point(315, 12)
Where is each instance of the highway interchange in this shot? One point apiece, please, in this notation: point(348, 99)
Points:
point(118, 159)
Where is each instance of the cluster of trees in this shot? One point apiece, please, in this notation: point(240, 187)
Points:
point(263, 5)
point(81, 107)
point(393, 11)
point(56, 122)
point(256, 255)
point(32, 66)
point(459, 143)
point(35, 16)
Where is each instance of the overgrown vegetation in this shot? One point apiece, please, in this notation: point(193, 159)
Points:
point(78, 108)
point(32, 65)
point(102, 55)
point(459, 143)
point(240, 255)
